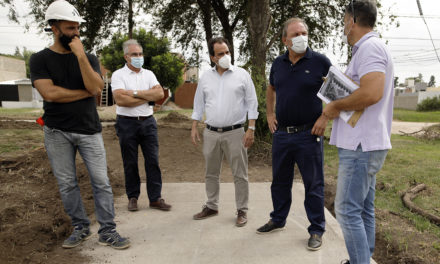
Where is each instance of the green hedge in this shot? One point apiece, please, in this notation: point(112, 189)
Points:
point(429, 104)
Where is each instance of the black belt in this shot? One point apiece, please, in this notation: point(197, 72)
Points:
point(295, 129)
point(135, 117)
point(223, 129)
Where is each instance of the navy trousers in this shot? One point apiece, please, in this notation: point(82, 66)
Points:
point(132, 134)
point(306, 151)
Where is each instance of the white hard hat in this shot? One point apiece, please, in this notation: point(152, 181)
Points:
point(62, 10)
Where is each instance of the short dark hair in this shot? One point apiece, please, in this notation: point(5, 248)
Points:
point(213, 41)
point(365, 12)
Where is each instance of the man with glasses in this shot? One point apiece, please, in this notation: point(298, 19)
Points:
point(133, 88)
point(226, 94)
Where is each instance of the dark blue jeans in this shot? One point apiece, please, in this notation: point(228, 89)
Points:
point(132, 134)
point(303, 149)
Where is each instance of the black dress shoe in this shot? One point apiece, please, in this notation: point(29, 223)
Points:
point(269, 228)
point(315, 242)
point(132, 204)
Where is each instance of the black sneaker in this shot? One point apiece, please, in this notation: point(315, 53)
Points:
point(79, 234)
point(269, 228)
point(113, 239)
point(345, 261)
point(315, 242)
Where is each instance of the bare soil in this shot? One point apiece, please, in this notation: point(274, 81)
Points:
point(33, 223)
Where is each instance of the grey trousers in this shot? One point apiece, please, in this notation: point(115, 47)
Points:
point(229, 144)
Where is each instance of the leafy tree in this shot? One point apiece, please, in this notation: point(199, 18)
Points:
point(431, 81)
point(24, 55)
point(101, 17)
point(167, 67)
point(419, 78)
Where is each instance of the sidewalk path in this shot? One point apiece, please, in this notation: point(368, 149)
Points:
point(174, 237)
point(408, 127)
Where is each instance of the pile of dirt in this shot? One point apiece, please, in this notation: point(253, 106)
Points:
point(431, 133)
point(33, 223)
point(175, 117)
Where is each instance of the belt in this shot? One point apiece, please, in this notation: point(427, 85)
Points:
point(295, 129)
point(135, 117)
point(223, 129)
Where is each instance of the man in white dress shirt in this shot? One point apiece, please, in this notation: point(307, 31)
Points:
point(226, 95)
point(133, 88)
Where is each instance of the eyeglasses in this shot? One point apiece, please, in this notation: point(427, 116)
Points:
point(352, 10)
point(136, 54)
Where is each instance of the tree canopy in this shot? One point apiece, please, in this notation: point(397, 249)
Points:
point(167, 67)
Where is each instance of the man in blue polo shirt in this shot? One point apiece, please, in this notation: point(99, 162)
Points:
point(295, 78)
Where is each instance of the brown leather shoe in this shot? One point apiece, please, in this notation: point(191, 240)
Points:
point(132, 204)
point(205, 213)
point(160, 205)
point(241, 218)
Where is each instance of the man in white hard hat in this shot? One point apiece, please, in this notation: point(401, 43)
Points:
point(68, 79)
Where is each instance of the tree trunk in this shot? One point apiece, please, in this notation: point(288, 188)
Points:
point(205, 7)
point(130, 19)
point(259, 21)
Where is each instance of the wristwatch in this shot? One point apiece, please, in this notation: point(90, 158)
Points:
point(251, 128)
point(135, 94)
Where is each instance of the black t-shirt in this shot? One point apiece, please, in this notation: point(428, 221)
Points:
point(63, 69)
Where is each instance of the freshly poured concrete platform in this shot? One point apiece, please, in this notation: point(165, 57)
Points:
point(174, 237)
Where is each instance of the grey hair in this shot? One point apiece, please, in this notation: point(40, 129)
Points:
point(293, 20)
point(128, 43)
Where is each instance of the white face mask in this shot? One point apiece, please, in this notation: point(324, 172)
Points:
point(225, 61)
point(299, 44)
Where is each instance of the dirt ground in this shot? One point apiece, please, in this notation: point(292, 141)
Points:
point(33, 223)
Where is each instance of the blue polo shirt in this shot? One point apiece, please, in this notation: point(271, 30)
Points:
point(296, 86)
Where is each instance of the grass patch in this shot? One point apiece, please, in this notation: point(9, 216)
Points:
point(411, 161)
point(12, 140)
point(414, 116)
point(20, 113)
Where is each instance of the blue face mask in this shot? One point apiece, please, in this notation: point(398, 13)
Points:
point(137, 62)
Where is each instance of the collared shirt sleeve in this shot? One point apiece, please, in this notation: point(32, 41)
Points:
point(271, 75)
point(152, 80)
point(373, 59)
point(251, 98)
point(199, 102)
point(117, 81)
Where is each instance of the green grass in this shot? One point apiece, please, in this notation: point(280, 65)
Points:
point(411, 161)
point(21, 113)
point(12, 140)
point(414, 116)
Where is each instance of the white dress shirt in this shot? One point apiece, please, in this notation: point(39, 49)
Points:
point(225, 99)
point(127, 79)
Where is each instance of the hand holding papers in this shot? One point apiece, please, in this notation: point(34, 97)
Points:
point(337, 86)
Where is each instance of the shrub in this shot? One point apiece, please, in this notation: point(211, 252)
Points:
point(429, 104)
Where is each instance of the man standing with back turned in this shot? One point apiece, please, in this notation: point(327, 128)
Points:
point(226, 94)
point(362, 149)
point(295, 78)
point(68, 79)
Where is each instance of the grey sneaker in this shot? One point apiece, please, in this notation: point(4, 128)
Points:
point(269, 228)
point(79, 234)
point(113, 239)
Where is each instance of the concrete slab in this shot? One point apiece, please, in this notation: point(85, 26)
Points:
point(174, 237)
